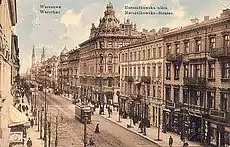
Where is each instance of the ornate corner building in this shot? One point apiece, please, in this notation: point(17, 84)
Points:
point(99, 70)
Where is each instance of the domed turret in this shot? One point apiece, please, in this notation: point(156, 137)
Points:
point(64, 51)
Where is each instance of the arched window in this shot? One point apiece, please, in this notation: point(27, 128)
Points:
point(110, 57)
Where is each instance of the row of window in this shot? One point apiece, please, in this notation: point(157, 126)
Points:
point(154, 91)
point(197, 98)
point(197, 70)
point(156, 71)
point(151, 53)
point(198, 45)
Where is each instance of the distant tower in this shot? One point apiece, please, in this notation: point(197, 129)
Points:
point(33, 58)
point(43, 55)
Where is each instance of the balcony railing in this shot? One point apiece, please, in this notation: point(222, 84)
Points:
point(129, 79)
point(218, 113)
point(194, 81)
point(174, 57)
point(220, 52)
point(146, 79)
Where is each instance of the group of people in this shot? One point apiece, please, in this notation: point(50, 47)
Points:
point(185, 144)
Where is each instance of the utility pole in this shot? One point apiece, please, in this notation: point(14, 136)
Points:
point(49, 125)
point(159, 122)
point(41, 125)
point(85, 136)
point(45, 128)
point(38, 120)
point(56, 132)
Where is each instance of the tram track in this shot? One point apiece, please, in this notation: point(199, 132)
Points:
point(104, 138)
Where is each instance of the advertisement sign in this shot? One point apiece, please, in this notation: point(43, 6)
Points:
point(16, 137)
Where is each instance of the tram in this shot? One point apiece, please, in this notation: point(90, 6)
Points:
point(81, 111)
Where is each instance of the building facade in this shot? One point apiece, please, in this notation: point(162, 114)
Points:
point(74, 71)
point(197, 81)
point(141, 77)
point(63, 72)
point(8, 50)
point(99, 71)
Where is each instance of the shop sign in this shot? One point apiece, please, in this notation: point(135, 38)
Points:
point(16, 137)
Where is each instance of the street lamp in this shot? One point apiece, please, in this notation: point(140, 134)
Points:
point(159, 122)
point(85, 134)
point(130, 113)
point(119, 110)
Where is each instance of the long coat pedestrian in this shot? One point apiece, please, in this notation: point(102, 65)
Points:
point(97, 129)
point(29, 143)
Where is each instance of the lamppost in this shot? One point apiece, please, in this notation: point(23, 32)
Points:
point(85, 134)
point(130, 112)
point(159, 122)
point(68, 88)
point(119, 110)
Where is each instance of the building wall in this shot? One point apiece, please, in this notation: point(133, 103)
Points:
point(7, 20)
point(144, 58)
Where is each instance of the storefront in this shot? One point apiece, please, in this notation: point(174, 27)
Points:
point(18, 127)
point(227, 136)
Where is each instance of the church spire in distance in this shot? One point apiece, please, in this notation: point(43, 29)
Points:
point(33, 57)
point(43, 55)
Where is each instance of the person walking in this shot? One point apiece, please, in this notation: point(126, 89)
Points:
point(170, 141)
point(91, 140)
point(29, 143)
point(32, 122)
point(141, 126)
point(97, 129)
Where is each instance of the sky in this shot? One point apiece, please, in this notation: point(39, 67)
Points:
point(72, 25)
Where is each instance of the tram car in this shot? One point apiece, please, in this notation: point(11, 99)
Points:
point(81, 111)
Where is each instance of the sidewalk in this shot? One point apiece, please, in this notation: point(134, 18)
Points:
point(34, 136)
point(33, 133)
point(151, 132)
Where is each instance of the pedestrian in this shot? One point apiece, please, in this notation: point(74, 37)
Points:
point(170, 141)
point(29, 143)
point(185, 144)
point(91, 140)
point(97, 129)
point(61, 118)
point(32, 122)
point(141, 126)
point(109, 111)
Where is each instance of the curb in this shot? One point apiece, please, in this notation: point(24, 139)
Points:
point(132, 131)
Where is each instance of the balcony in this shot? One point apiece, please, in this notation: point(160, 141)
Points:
point(174, 57)
point(194, 81)
point(129, 79)
point(146, 79)
point(218, 114)
point(220, 52)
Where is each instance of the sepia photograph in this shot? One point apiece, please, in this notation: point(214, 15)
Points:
point(114, 73)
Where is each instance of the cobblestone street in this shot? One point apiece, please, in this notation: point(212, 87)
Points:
point(71, 130)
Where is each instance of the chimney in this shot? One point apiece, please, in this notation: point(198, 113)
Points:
point(206, 18)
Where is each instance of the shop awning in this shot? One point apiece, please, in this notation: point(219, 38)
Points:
point(17, 118)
